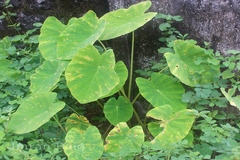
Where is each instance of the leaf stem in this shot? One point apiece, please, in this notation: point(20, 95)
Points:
point(131, 68)
point(73, 110)
point(102, 45)
point(163, 69)
point(100, 104)
point(105, 133)
point(134, 100)
point(145, 119)
point(59, 124)
point(123, 92)
point(138, 119)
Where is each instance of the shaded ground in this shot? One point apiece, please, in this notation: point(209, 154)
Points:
point(31, 11)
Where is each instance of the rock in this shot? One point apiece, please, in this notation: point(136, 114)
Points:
point(32, 11)
point(27, 21)
point(42, 5)
point(217, 22)
point(16, 3)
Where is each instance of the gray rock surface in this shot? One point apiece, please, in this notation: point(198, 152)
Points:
point(31, 11)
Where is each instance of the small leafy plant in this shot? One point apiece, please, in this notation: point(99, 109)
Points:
point(19, 57)
point(169, 33)
point(8, 16)
point(96, 78)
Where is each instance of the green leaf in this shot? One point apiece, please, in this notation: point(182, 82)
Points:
point(164, 16)
point(122, 73)
point(122, 141)
point(81, 32)
point(47, 75)
point(203, 149)
point(189, 137)
point(7, 73)
point(87, 145)
point(162, 113)
point(4, 45)
point(164, 26)
point(214, 61)
point(48, 37)
point(177, 18)
point(191, 64)
point(203, 92)
point(234, 101)
point(154, 128)
point(72, 20)
point(238, 66)
point(90, 75)
point(2, 134)
point(162, 89)
point(188, 97)
point(233, 52)
point(118, 110)
point(176, 125)
point(123, 21)
point(34, 112)
point(77, 121)
point(227, 74)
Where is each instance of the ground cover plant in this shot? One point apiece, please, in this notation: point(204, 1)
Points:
point(183, 119)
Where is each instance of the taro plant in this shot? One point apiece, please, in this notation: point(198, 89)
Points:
point(93, 77)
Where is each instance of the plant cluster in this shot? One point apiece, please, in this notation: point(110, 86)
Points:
point(56, 89)
point(8, 16)
point(19, 57)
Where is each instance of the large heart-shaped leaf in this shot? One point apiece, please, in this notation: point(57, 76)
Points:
point(191, 64)
point(72, 21)
point(122, 141)
point(77, 121)
point(83, 31)
point(118, 110)
point(34, 112)
point(87, 145)
point(90, 75)
point(48, 37)
point(122, 73)
point(162, 89)
point(123, 21)
point(176, 125)
point(47, 75)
